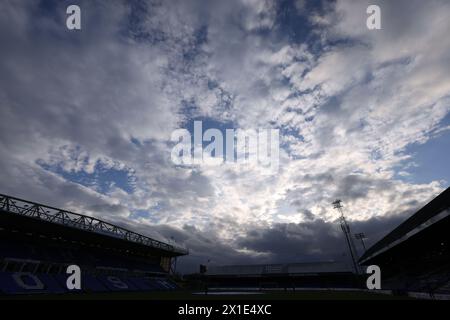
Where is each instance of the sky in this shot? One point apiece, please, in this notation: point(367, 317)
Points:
point(86, 118)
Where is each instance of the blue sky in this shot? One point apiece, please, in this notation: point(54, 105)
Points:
point(103, 179)
point(87, 116)
point(431, 160)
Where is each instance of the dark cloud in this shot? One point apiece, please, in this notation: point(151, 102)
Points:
point(358, 186)
point(309, 241)
point(315, 240)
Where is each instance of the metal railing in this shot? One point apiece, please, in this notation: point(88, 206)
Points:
point(82, 222)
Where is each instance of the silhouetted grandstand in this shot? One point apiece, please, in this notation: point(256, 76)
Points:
point(415, 256)
point(38, 243)
point(283, 276)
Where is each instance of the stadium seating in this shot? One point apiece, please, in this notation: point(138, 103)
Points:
point(29, 283)
point(105, 272)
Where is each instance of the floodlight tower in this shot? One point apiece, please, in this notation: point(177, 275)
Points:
point(348, 236)
point(361, 236)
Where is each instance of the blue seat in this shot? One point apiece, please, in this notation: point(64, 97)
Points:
point(26, 283)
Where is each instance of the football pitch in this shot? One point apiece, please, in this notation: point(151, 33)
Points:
point(211, 296)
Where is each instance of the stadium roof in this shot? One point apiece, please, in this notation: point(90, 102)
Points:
point(434, 211)
point(70, 219)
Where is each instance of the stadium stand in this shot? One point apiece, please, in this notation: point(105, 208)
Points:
point(415, 256)
point(283, 276)
point(38, 243)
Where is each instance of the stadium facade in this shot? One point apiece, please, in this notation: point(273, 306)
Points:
point(39, 242)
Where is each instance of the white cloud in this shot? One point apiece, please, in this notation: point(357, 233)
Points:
point(348, 106)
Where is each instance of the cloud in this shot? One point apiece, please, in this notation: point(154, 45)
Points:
point(348, 103)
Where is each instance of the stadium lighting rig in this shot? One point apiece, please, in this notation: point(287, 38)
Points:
point(361, 236)
point(337, 204)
